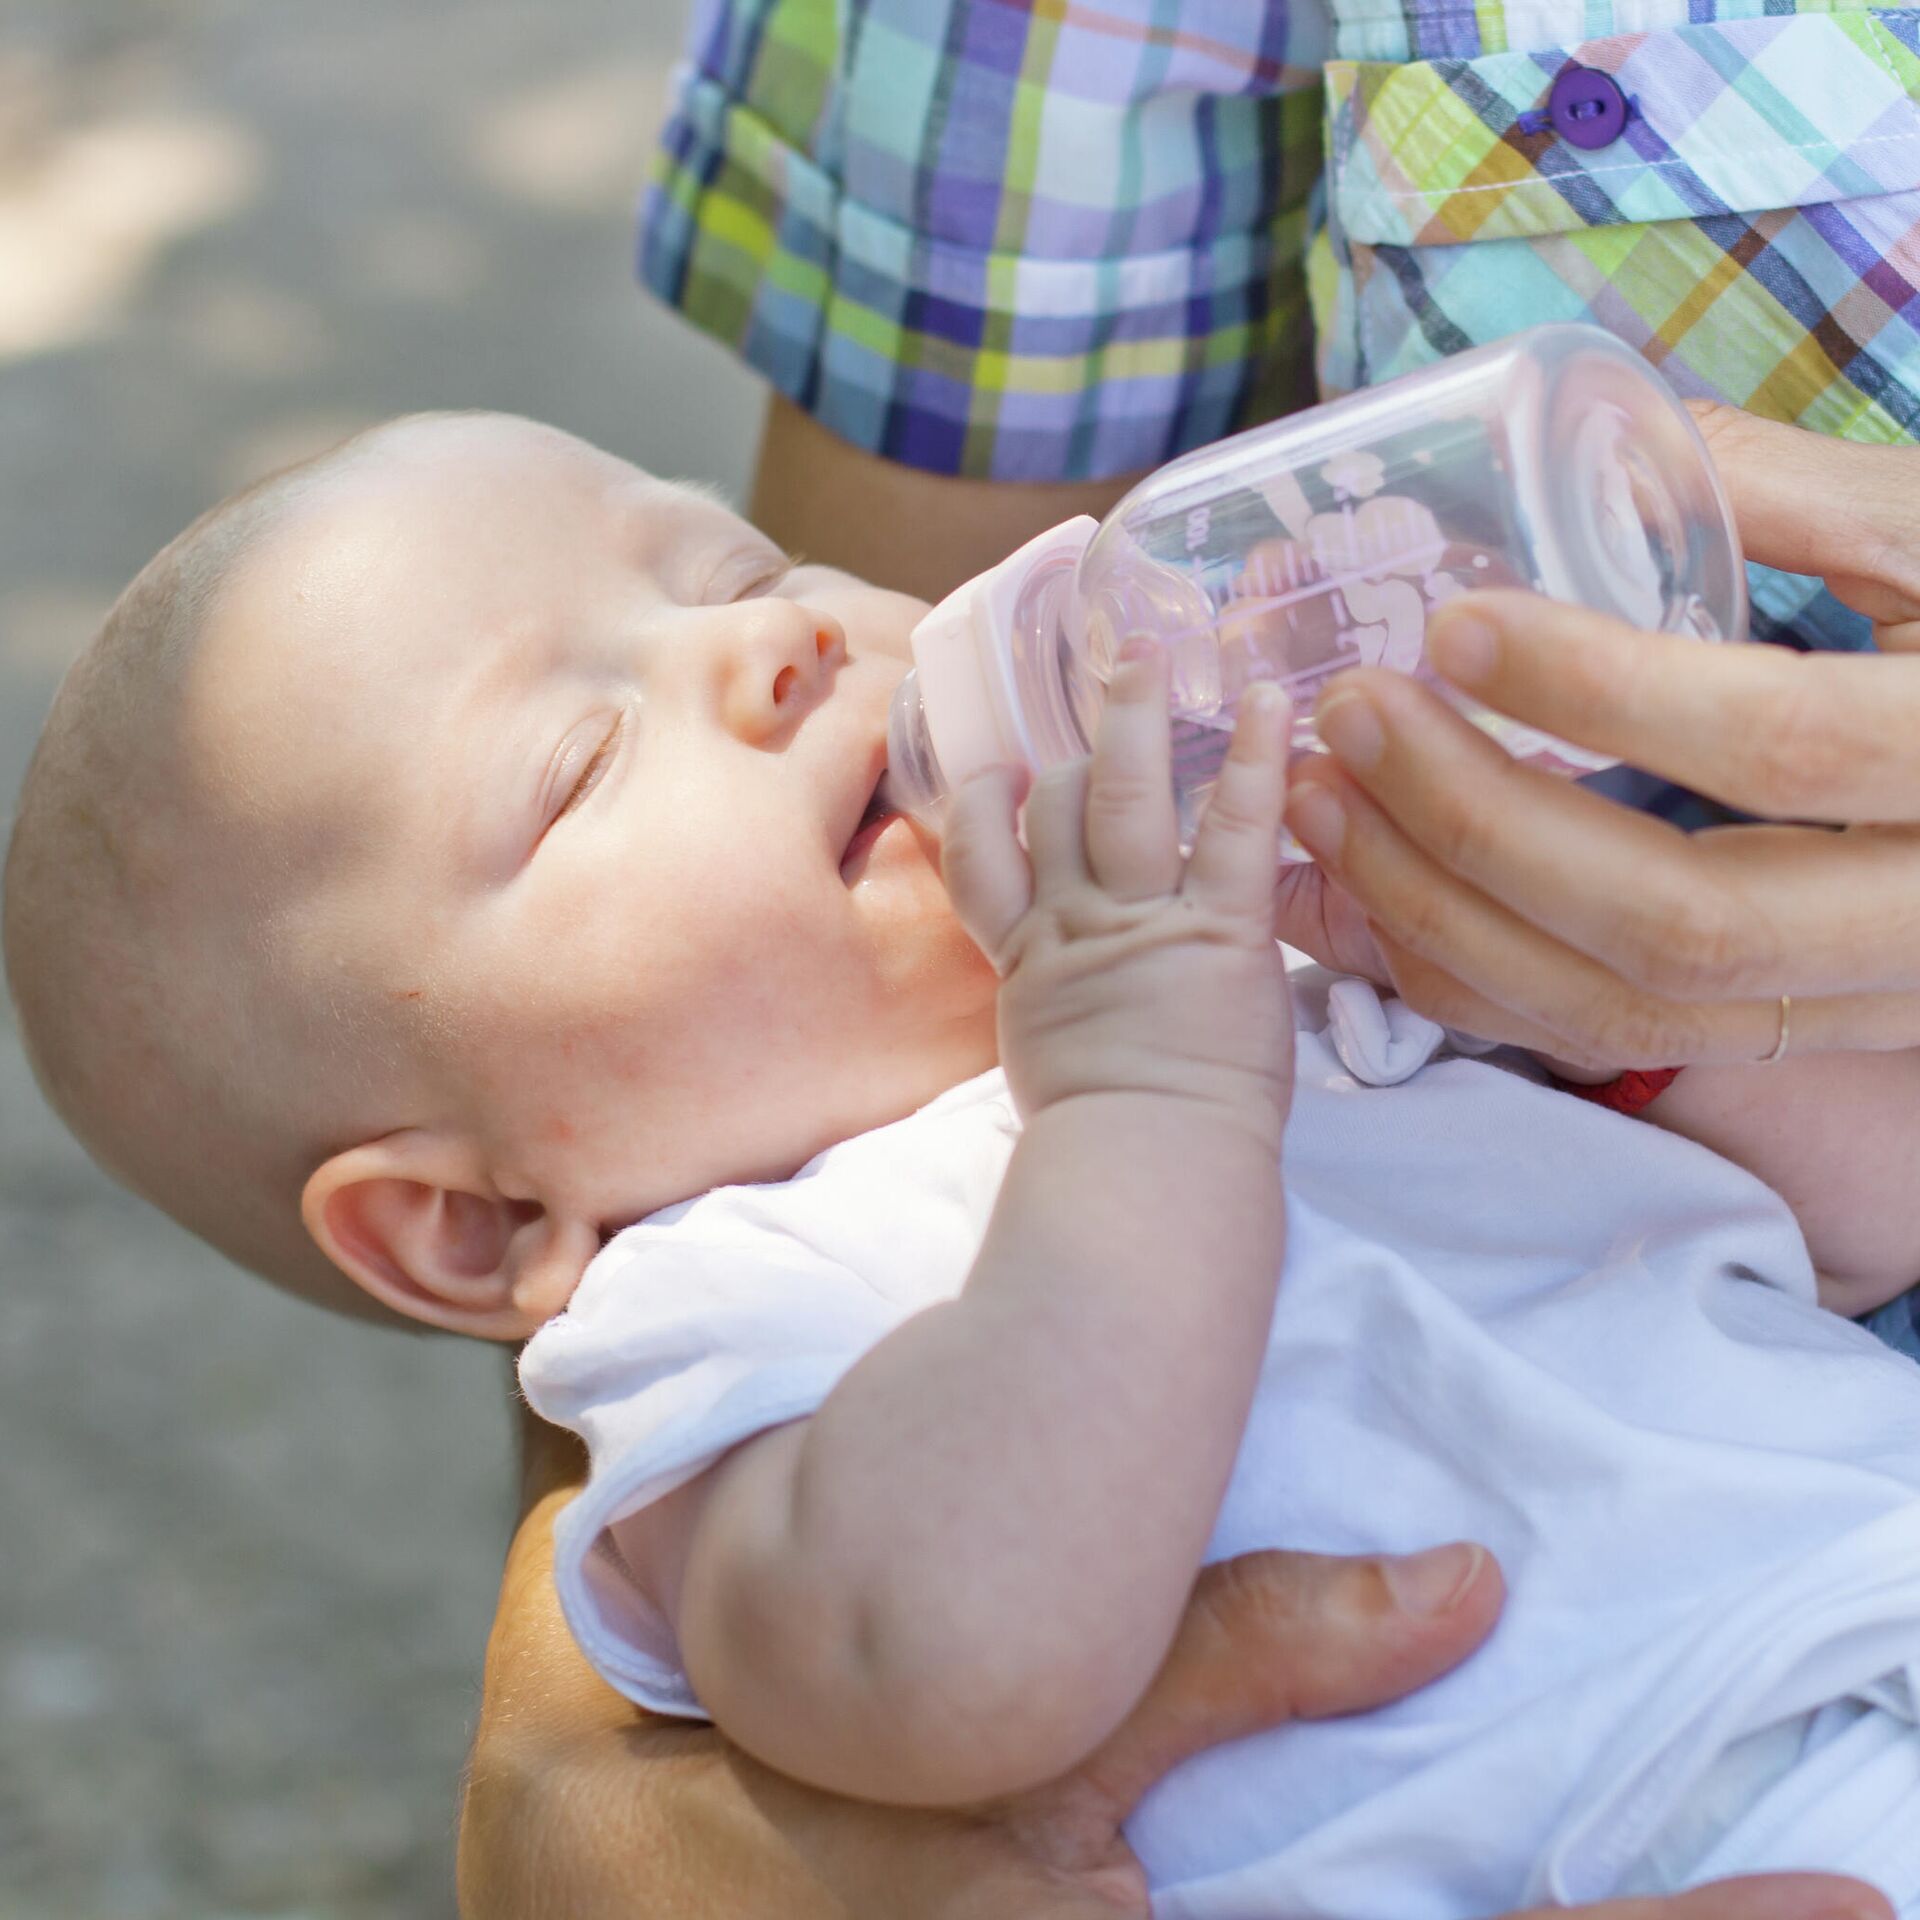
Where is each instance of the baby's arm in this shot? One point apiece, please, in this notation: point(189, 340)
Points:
point(1838, 1136)
point(958, 1577)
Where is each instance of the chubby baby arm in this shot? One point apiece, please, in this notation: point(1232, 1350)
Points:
point(1837, 1135)
point(959, 1576)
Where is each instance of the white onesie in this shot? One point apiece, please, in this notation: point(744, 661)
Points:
point(1505, 1315)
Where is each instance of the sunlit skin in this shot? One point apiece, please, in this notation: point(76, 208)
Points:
point(573, 765)
point(598, 754)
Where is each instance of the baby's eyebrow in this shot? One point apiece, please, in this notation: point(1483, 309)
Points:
point(706, 493)
point(690, 507)
point(707, 513)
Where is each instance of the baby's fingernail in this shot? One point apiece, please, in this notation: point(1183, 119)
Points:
point(1463, 648)
point(1351, 729)
point(1011, 778)
point(1318, 819)
point(1137, 646)
point(1435, 1581)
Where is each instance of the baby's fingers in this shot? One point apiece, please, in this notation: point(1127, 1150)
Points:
point(1133, 833)
point(983, 863)
point(1236, 851)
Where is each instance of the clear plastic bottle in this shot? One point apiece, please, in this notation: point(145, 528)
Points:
point(1555, 460)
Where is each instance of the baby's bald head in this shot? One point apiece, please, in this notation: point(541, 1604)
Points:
point(160, 906)
point(464, 845)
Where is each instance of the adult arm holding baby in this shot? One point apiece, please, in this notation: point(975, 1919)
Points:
point(577, 1804)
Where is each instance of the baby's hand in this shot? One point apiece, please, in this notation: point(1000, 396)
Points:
point(1126, 967)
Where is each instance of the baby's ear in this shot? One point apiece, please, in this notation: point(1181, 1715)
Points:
point(415, 1219)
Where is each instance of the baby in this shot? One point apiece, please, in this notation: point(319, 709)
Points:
point(467, 846)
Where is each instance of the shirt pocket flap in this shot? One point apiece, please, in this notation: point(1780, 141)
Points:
point(1729, 117)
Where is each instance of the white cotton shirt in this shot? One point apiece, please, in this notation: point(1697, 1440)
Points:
point(1505, 1315)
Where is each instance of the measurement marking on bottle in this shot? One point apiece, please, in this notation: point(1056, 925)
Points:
point(1412, 560)
point(1191, 728)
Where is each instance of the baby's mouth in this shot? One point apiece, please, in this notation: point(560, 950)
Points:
point(871, 825)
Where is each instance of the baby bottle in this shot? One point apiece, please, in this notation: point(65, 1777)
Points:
point(1555, 460)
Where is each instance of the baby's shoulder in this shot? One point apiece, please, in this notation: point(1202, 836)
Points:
point(898, 1211)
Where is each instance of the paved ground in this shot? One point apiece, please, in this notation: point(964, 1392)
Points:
point(248, 1553)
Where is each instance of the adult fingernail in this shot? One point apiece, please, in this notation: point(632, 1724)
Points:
point(1318, 819)
point(1351, 730)
point(1434, 1581)
point(1463, 648)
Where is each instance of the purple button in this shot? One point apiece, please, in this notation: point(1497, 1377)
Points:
point(1587, 107)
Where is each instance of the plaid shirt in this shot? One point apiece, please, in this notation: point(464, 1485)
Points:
point(1056, 239)
point(1898, 1324)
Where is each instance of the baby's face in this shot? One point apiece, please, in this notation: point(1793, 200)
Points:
point(596, 761)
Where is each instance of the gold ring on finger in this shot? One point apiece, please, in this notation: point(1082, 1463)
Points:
point(1779, 1052)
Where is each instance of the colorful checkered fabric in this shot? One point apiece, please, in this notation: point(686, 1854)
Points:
point(1045, 241)
point(1030, 242)
point(1898, 1324)
point(1056, 239)
point(1755, 231)
point(1048, 241)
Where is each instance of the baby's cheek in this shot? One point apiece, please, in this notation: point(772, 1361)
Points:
point(921, 949)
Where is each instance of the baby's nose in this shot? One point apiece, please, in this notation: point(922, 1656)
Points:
point(781, 659)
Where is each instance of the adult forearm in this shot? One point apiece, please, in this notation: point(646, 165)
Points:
point(1838, 1137)
point(916, 532)
point(961, 1574)
point(579, 1807)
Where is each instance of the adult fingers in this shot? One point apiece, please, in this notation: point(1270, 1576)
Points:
point(1860, 1023)
point(1418, 905)
point(1236, 849)
point(986, 873)
point(1747, 911)
point(1578, 1008)
point(1854, 1023)
point(1758, 1896)
point(1764, 729)
point(1274, 1637)
point(1809, 503)
point(1431, 990)
point(1132, 835)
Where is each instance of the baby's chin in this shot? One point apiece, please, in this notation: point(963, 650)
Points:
point(949, 986)
point(892, 874)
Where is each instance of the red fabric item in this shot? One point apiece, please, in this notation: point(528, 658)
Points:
point(1629, 1093)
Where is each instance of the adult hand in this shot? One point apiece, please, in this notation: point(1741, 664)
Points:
point(579, 1806)
point(1512, 904)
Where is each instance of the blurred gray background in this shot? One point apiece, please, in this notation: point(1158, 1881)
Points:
point(247, 1554)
